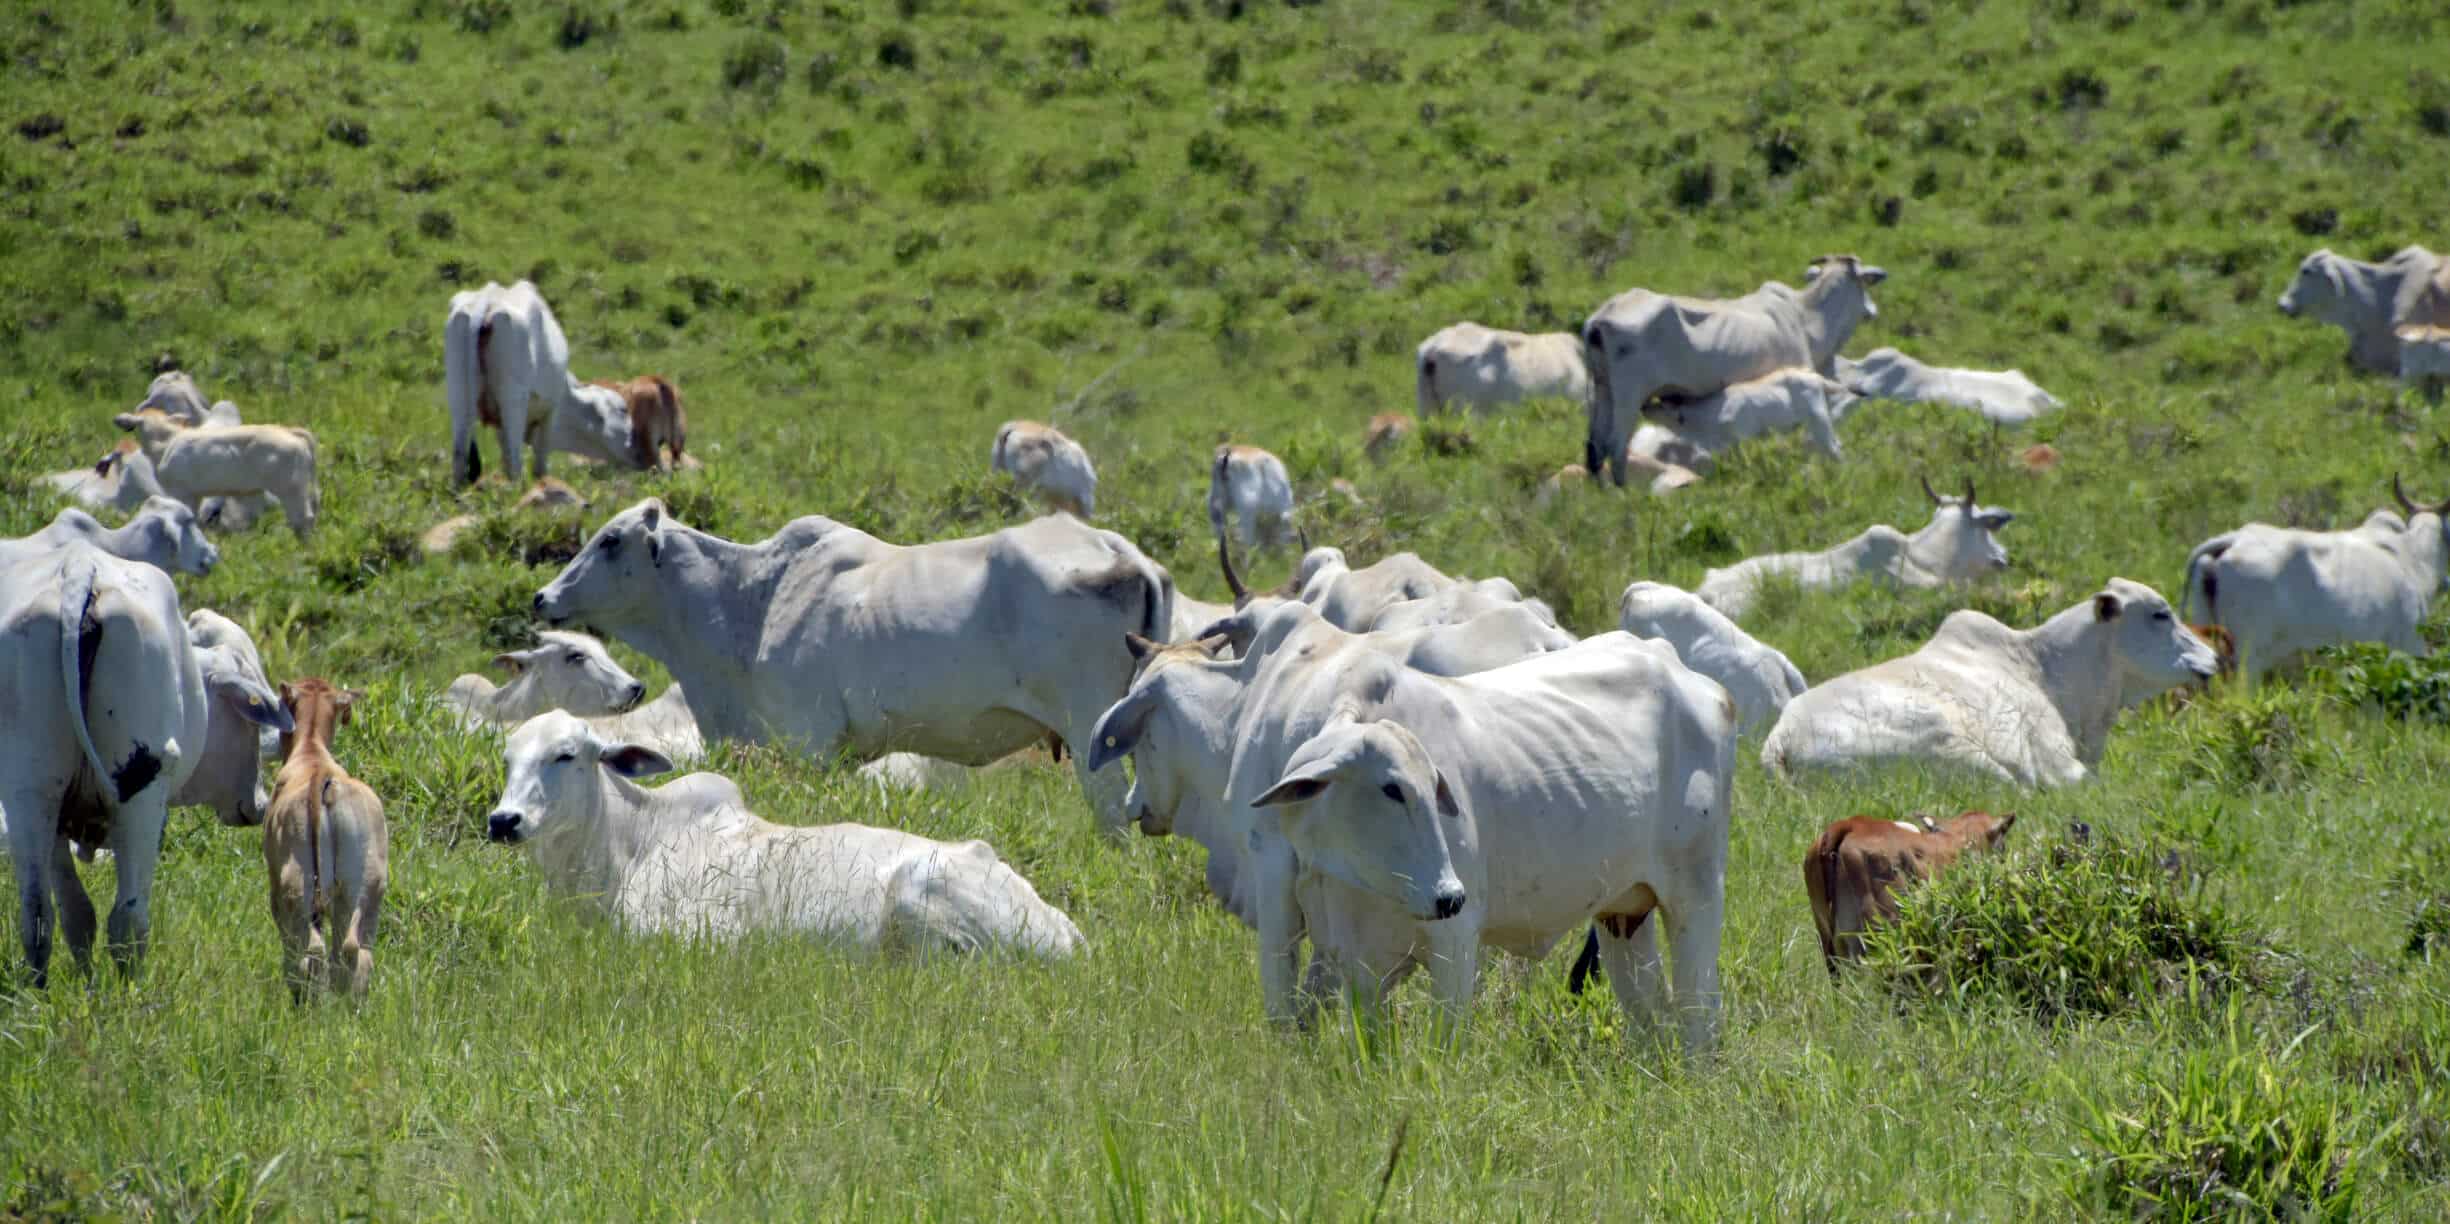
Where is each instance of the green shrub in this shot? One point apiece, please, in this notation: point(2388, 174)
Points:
point(2231, 1137)
point(2400, 686)
point(2260, 742)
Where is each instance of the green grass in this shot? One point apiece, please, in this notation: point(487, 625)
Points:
point(861, 235)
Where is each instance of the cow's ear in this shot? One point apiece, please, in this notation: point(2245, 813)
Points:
point(635, 761)
point(511, 662)
point(2007, 820)
point(1291, 790)
point(346, 700)
point(127, 420)
point(258, 704)
point(1447, 806)
point(1139, 647)
point(2105, 607)
point(1119, 729)
point(1873, 274)
point(1993, 518)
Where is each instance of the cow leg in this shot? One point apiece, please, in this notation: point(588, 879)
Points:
point(1823, 434)
point(1454, 971)
point(292, 917)
point(32, 828)
point(356, 911)
point(1279, 919)
point(136, 847)
point(76, 909)
point(1693, 931)
point(513, 431)
point(1629, 950)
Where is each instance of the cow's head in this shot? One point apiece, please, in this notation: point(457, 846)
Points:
point(613, 577)
point(1959, 544)
point(553, 784)
point(1363, 803)
point(153, 428)
point(570, 671)
point(600, 426)
point(1169, 726)
point(1977, 832)
point(229, 773)
point(166, 536)
point(173, 392)
point(1846, 276)
point(2316, 286)
point(2152, 650)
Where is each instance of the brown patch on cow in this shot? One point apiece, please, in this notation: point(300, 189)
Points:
point(2038, 458)
point(1853, 873)
point(1386, 431)
point(657, 421)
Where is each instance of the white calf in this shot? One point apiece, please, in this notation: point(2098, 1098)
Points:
point(1044, 462)
point(1250, 485)
point(1761, 679)
point(192, 463)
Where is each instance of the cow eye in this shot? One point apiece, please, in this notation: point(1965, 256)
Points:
point(1392, 791)
point(611, 545)
point(575, 659)
point(2161, 616)
point(565, 758)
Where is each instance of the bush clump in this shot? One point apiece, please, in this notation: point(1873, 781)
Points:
point(2093, 930)
point(2397, 685)
point(2231, 1137)
point(2265, 741)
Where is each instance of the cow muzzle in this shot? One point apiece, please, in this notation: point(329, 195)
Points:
point(1153, 825)
point(637, 693)
point(1445, 903)
point(505, 827)
point(2288, 306)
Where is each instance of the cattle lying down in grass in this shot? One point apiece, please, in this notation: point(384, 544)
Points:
point(2424, 358)
point(1663, 478)
point(1485, 369)
point(2002, 397)
point(1044, 463)
point(102, 485)
point(1388, 593)
point(1405, 820)
point(548, 495)
point(1665, 448)
point(1760, 679)
point(506, 364)
point(2371, 302)
point(1853, 873)
point(1773, 403)
point(2280, 591)
point(659, 427)
point(689, 858)
point(1641, 344)
point(2028, 706)
point(107, 710)
point(193, 463)
point(326, 849)
point(1249, 486)
point(163, 534)
point(572, 672)
point(1959, 544)
point(827, 639)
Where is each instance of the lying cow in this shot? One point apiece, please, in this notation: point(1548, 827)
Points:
point(2371, 302)
point(1664, 447)
point(1641, 344)
point(572, 672)
point(1487, 369)
point(193, 463)
point(2280, 591)
point(2424, 358)
point(2002, 397)
point(1044, 463)
point(1760, 679)
point(1772, 403)
point(690, 858)
point(326, 849)
point(831, 640)
point(1385, 594)
point(505, 357)
point(1386, 431)
point(103, 485)
point(163, 534)
point(107, 709)
point(1250, 486)
point(1664, 478)
point(659, 428)
point(2028, 706)
point(548, 495)
point(1959, 544)
point(1853, 873)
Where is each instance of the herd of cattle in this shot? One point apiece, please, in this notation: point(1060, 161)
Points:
point(1398, 766)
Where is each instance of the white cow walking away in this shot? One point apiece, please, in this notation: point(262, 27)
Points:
point(1487, 369)
point(690, 858)
point(2280, 592)
point(1043, 462)
point(2028, 706)
point(2371, 301)
point(504, 357)
point(2002, 397)
point(1250, 486)
point(1760, 678)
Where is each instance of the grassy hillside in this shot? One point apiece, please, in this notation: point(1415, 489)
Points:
point(859, 236)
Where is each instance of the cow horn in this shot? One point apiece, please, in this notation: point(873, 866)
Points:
point(1225, 561)
point(1817, 261)
point(1302, 538)
point(2401, 493)
point(1969, 495)
point(1929, 492)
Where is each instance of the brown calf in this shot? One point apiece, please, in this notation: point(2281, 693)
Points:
point(1386, 431)
point(1852, 874)
point(656, 419)
point(325, 847)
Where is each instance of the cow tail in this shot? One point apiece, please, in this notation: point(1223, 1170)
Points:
point(2198, 573)
point(318, 815)
point(672, 415)
point(76, 608)
point(1586, 964)
point(1425, 392)
point(471, 466)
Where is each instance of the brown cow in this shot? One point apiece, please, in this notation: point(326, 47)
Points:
point(325, 847)
point(656, 420)
point(1386, 431)
point(1852, 874)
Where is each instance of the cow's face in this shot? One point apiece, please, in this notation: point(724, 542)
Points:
point(2316, 285)
point(1846, 275)
point(551, 785)
point(1980, 832)
point(1365, 805)
point(229, 774)
point(2154, 651)
point(603, 425)
point(572, 671)
point(1171, 728)
point(169, 538)
point(1960, 543)
point(613, 576)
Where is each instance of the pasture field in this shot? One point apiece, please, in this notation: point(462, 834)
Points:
point(861, 235)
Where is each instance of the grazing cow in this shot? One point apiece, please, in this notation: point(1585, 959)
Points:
point(2028, 706)
point(1640, 344)
point(326, 849)
point(2280, 591)
point(690, 858)
point(192, 463)
point(1787, 399)
point(228, 773)
point(1423, 817)
point(1852, 875)
point(106, 706)
point(1487, 369)
point(1386, 431)
point(502, 351)
point(163, 534)
point(549, 495)
point(572, 672)
point(2370, 301)
point(2424, 358)
point(1959, 544)
point(2002, 397)
point(1760, 679)
point(1250, 485)
point(657, 423)
point(829, 639)
point(1043, 462)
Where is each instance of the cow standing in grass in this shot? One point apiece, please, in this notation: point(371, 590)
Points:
point(506, 365)
point(326, 850)
point(1853, 873)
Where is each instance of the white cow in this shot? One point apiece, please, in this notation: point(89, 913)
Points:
point(502, 350)
point(1356, 600)
point(163, 534)
point(108, 711)
point(1250, 485)
point(1772, 403)
point(690, 858)
point(829, 639)
point(1488, 369)
point(1760, 678)
point(245, 710)
point(1043, 462)
point(102, 485)
point(177, 395)
point(195, 462)
point(1666, 447)
point(2002, 397)
point(2028, 706)
point(2424, 358)
point(1640, 344)
point(2280, 592)
point(1959, 544)
point(1407, 820)
point(2370, 301)
point(573, 673)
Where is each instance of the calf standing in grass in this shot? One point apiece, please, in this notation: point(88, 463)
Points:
point(325, 848)
point(1044, 462)
point(192, 463)
point(1250, 485)
point(1855, 870)
point(657, 422)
